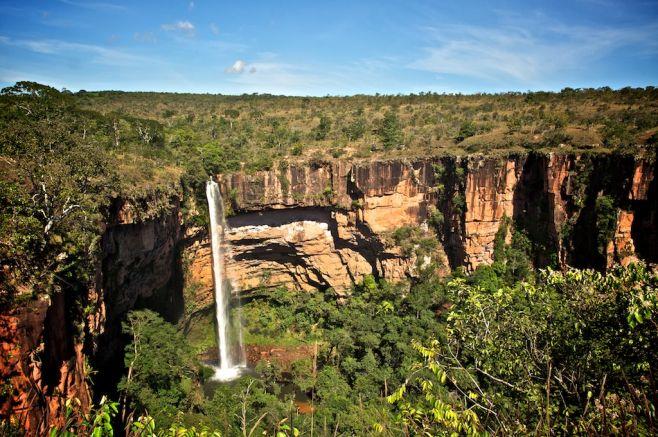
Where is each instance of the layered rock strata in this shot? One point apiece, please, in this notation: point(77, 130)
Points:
point(551, 197)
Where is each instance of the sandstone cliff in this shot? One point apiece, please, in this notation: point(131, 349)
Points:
point(328, 225)
point(41, 366)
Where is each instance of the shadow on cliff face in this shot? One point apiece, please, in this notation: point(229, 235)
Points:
point(610, 176)
point(590, 178)
point(645, 226)
point(58, 337)
point(532, 209)
point(141, 268)
point(367, 244)
point(42, 360)
point(451, 203)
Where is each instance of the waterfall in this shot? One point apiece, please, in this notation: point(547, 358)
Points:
point(229, 338)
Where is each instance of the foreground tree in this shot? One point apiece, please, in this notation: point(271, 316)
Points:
point(574, 354)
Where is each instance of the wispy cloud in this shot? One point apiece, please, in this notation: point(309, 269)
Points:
point(97, 54)
point(96, 6)
point(11, 76)
point(145, 37)
point(184, 27)
point(527, 51)
point(214, 29)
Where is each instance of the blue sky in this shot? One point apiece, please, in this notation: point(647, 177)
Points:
point(329, 47)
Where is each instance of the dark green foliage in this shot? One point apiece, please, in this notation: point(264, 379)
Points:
point(162, 371)
point(459, 203)
point(554, 138)
point(356, 129)
point(365, 342)
point(616, 133)
point(56, 183)
point(606, 222)
point(323, 128)
point(297, 150)
point(512, 262)
point(412, 240)
point(424, 123)
point(96, 423)
point(466, 130)
point(390, 132)
point(508, 351)
point(218, 159)
point(572, 354)
point(436, 219)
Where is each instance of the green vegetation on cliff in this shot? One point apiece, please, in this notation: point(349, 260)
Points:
point(62, 170)
point(66, 157)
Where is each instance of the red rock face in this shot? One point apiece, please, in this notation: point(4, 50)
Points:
point(490, 187)
point(39, 377)
point(642, 179)
point(383, 196)
point(332, 235)
point(301, 249)
point(621, 248)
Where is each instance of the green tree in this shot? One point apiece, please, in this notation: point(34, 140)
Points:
point(466, 130)
point(568, 354)
point(606, 222)
point(390, 131)
point(356, 129)
point(162, 372)
point(322, 130)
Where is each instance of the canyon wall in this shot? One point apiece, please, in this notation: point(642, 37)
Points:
point(330, 224)
point(322, 226)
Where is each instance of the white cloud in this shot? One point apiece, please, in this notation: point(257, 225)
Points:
point(526, 51)
point(237, 67)
point(214, 29)
point(184, 27)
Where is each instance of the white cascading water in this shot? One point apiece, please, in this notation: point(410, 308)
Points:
point(231, 353)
